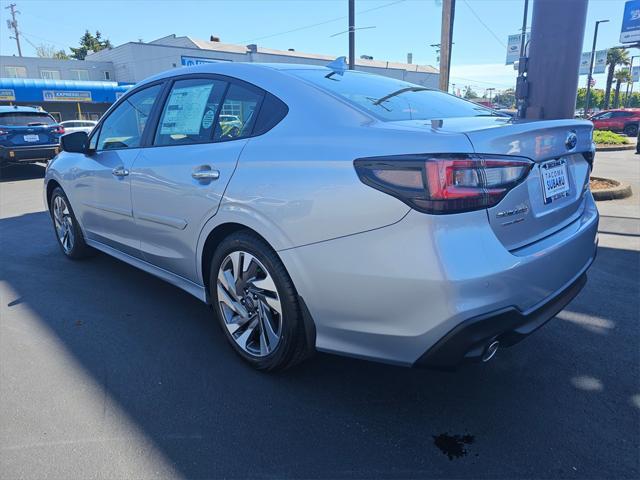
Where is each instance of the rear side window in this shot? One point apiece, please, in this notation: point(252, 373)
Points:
point(272, 111)
point(123, 128)
point(238, 113)
point(190, 111)
point(26, 119)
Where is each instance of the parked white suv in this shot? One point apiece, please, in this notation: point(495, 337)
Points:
point(71, 126)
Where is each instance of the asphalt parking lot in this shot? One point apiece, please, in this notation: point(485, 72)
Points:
point(107, 372)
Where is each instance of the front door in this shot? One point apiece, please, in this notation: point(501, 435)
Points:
point(105, 189)
point(178, 183)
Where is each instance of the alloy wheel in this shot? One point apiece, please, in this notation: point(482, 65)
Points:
point(64, 223)
point(249, 303)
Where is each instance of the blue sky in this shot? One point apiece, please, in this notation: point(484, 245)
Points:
point(400, 27)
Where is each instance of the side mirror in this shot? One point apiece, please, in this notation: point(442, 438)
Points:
point(76, 142)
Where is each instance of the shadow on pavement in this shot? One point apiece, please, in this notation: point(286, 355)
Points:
point(27, 171)
point(165, 362)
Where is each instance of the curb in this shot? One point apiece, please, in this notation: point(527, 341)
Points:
point(614, 148)
point(622, 190)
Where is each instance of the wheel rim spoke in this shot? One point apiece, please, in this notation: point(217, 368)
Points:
point(63, 223)
point(249, 303)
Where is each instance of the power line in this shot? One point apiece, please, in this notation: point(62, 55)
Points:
point(320, 23)
point(485, 25)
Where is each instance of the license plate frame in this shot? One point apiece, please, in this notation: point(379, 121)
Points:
point(31, 138)
point(554, 179)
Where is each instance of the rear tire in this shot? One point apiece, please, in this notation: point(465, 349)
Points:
point(256, 303)
point(631, 130)
point(66, 227)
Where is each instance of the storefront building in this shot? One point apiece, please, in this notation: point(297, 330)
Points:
point(63, 99)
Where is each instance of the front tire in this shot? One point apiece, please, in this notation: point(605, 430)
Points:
point(631, 130)
point(67, 229)
point(256, 303)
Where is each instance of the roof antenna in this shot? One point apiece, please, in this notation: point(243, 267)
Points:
point(339, 66)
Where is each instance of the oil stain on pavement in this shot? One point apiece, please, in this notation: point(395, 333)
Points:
point(453, 446)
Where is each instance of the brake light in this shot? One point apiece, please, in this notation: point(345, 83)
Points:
point(442, 184)
point(59, 130)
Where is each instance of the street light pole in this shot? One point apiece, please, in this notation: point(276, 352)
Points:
point(352, 34)
point(590, 76)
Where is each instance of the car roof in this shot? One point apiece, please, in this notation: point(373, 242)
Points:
point(19, 108)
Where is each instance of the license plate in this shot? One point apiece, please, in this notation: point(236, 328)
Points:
point(31, 138)
point(555, 180)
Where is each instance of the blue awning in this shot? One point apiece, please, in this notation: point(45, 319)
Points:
point(39, 90)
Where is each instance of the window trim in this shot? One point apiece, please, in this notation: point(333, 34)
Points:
point(51, 70)
point(207, 76)
point(159, 99)
point(26, 73)
point(76, 77)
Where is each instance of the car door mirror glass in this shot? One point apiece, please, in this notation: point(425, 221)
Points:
point(76, 142)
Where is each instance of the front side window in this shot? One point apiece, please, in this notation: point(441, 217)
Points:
point(124, 127)
point(238, 113)
point(189, 112)
point(390, 100)
point(15, 72)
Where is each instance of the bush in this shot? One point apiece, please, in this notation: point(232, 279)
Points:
point(605, 137)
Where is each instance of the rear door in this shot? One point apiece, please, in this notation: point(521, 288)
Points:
point(178, 182)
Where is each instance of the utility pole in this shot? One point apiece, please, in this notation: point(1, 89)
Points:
point(13, 24)
point(352, 34)
point(554, 58)
point(522, 86)
point(590, 76)
point(490, 90)
point(446, 37)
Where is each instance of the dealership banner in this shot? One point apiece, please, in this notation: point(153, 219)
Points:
point(513, 47)
point(66, 96)
point(599, 63)
point(7, 95)
point(630, 32)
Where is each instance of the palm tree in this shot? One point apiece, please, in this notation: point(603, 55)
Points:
point(622, 76)
point(615, 56)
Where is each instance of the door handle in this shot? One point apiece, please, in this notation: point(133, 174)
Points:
point(120, 172)
point(206, 173)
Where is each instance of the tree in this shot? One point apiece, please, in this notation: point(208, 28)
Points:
point(622, 76)
point(595, 101)
point(49, 51)
point(615, 56)
point(90, 43)
point(469, 93)
point(506, 98)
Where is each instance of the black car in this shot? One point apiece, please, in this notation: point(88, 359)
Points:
point(27, 135)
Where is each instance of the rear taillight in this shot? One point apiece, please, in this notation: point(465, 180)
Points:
point(441, 184)
point(59, 130)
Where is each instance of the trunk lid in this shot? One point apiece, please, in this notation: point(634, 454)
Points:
point(530, 212)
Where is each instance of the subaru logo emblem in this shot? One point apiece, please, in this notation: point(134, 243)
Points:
point(571, 141)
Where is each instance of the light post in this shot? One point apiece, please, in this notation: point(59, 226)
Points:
point(590, 77)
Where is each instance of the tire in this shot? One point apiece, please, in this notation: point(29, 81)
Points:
point(258, 310)
point(631, 130)
point(66, 227)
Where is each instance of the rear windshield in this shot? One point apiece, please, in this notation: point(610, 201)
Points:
point(390, 99)
point(21, 119)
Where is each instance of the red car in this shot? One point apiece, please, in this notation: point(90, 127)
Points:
point(618, 120)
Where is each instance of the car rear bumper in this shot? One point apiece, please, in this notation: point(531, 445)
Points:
point(394, 293)
point(25, 154)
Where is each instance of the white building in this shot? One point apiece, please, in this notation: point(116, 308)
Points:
point(134, 61)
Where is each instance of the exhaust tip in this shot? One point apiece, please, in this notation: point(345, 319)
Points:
point(490, 351)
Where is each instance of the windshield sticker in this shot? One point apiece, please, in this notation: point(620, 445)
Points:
point(184, 110)
point(207, 120)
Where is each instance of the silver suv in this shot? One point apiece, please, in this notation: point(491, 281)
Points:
point(315, 208)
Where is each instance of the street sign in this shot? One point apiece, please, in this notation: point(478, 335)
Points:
point(630, 32)
point(513, 47)
point(635, 74)
point(599, 64)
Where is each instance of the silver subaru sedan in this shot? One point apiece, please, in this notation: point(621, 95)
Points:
point(320, 209)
